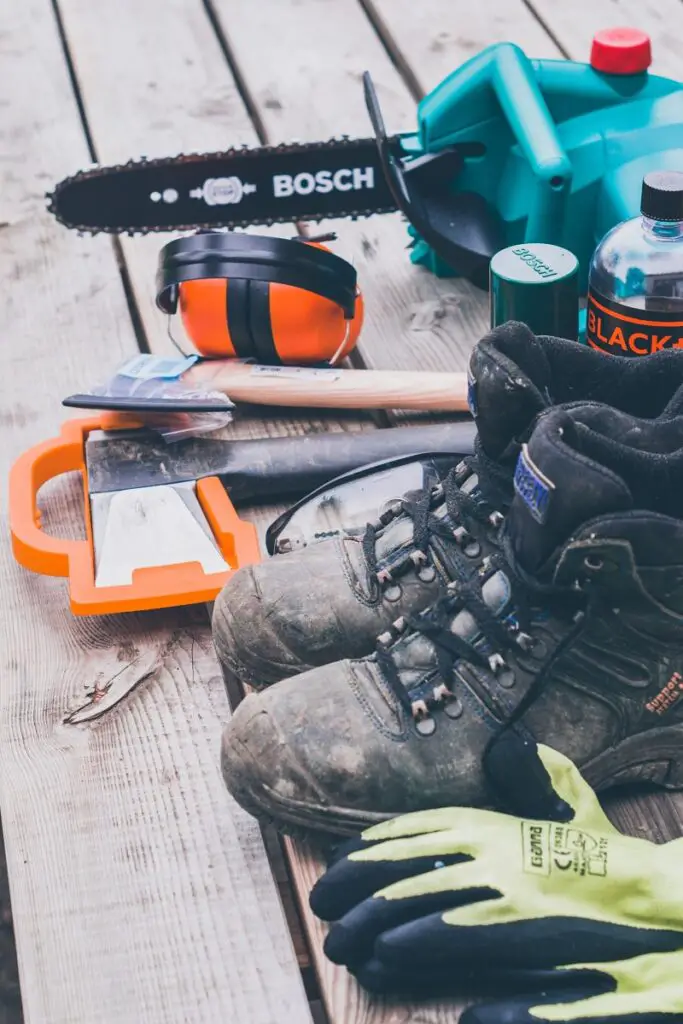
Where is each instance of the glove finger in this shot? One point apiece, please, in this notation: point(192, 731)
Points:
point(518, 775)
point(379, 979)
point(588, 994)
point(439, 819)
point(523, 1009)
point(351, 940)
point(638, 988)
point(348, 882)
point(535, 781)
point(367, 871)
point(468, 984)
point(441, 938)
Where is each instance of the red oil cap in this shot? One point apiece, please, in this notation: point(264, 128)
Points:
point(621, 51)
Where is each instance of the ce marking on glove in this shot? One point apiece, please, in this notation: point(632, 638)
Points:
point(548, 847)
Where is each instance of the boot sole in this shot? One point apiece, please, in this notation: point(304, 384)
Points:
point(655, 756)
point(616, 766)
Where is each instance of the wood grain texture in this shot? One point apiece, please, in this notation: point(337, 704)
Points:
point(140, 892)
point(412, 318)
point(574, 26)
point(431, 39)
point(153, 82)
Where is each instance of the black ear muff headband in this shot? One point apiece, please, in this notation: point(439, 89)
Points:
point(255, 258)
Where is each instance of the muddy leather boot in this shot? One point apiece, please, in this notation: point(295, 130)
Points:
point(572, 633)
point(331, 600)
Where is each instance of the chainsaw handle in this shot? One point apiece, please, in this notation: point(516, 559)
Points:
point(521, 100)
point(32, 547)
point(504, 70)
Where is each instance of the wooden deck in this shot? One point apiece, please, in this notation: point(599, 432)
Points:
point(141, 893)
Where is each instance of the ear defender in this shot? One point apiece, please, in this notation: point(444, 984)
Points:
point(270, 300)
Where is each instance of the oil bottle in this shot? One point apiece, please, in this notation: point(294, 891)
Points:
point(635, 283)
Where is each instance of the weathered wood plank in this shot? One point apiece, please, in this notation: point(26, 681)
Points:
point(574, 26)
point(412, 319)
point(153, 82)
point(431, 39)
point(139, 890)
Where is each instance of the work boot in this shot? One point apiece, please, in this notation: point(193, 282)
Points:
point(572, 632)
point(331, 600)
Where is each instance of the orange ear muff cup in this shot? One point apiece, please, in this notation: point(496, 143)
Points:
point(203, 312)
point(234, 302)
point(309, 329)
point(306, 328)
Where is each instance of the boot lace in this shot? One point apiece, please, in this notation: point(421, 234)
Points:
point(495, 637)
point(461, 511)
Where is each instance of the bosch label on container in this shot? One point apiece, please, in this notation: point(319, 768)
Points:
point(533, 260)
point(622, 330)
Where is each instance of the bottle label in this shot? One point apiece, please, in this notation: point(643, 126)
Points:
point(624, 331)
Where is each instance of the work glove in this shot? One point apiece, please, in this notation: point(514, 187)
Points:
point(577, 921)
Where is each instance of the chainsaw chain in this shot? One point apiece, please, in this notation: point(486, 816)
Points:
point(98, 170)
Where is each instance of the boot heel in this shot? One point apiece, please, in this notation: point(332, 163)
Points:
point(674, 779)
point(655, 757)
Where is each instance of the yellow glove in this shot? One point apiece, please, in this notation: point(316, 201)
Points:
point(428, 900)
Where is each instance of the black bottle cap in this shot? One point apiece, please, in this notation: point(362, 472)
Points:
point(662, 195)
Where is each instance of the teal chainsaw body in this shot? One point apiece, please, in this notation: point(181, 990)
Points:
point(563, 147)
point(507, 150)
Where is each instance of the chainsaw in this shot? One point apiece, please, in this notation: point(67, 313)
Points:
point(507, 150)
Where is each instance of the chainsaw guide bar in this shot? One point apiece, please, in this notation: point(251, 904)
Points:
point(235, 188)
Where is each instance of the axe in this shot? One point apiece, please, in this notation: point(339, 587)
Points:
point(287, 386)
point(160, 520)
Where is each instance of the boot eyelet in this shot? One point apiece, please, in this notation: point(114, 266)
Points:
point(593, 564)
point(427, 574)
point(539, 651)
point(454, 708)
point(393, 593)
point(389, 510)
point(425, 726)
point(526, 642)
point(506, 678)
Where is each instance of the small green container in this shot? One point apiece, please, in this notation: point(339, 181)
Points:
point(537, 284)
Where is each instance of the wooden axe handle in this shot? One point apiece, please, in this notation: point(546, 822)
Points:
point(333, 388)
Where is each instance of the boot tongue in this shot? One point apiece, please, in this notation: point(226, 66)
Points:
point(558, 488)
point(399, 533)
point(503, 399)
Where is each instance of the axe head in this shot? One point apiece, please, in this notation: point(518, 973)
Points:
point(139, 522)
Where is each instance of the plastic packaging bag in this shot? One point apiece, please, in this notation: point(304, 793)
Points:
point(150, 376)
